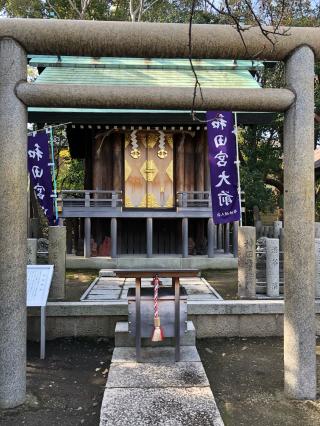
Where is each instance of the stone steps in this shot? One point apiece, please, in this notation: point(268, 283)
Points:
point(157, 391)
point(124, 339)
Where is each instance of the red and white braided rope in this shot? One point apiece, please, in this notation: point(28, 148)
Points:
point(155, 296)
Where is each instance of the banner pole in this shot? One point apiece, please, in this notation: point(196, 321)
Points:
point(54, 177)
point(238, 164)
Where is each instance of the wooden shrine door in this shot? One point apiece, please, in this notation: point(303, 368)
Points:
point(149, 170)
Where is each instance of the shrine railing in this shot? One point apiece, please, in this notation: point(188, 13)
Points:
point(96, 203)
point(199, 200)
point(194, 199)
point(89, 199)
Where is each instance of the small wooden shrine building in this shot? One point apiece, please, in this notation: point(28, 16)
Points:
point(147, 185)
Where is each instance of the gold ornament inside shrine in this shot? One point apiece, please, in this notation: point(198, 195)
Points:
point(148, 160)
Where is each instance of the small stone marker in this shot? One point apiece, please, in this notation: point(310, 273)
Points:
point(57, 257)
point(247, 262)
point(265, 231)
point(272, 266)
point(32, 251)
point(270, 231)
point(317, 259)
point(259, 228)
point(277, 226)
point(281, 239)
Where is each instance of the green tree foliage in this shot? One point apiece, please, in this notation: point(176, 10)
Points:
point(71, 174)
point(69, 171)
point(261, 167)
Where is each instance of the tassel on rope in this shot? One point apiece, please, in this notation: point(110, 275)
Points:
point(157, 335)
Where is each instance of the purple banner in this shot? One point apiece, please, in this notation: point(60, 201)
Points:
point(40, 172)
point(223, 167)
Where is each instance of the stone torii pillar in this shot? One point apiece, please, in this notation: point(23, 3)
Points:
point(13, 229)
point(299, 252)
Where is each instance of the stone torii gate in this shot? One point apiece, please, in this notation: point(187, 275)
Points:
point(297, 48)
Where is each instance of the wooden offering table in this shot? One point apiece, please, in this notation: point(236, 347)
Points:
point(175, 274)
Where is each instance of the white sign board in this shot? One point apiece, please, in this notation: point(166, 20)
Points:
point(39, 279)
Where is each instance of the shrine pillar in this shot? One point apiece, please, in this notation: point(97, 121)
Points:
point(179, 166)
point(114, 232)
point(299, 245)
point(185, 234)
point(188, 163)
point(117, 162)
point(13, 230)
point(149, 236)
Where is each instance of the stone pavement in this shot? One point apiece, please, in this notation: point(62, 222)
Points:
point(158, 391)
point(106, 288)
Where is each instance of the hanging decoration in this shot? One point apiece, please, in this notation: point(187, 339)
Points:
point(157, 335)
point(223, 163)
point(162, 153)
point(135, 152)
point(39, 167)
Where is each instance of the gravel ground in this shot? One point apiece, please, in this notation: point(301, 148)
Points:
point(246, 377)
point(67, 387)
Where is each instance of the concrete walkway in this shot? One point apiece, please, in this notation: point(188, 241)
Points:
point(158, 391)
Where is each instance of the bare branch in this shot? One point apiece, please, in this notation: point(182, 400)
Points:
point(74, 7)
point(236, 20)
point(84, 6)
point(54, 9)
point(149, 6)
point(137, 11)
point(267, 33)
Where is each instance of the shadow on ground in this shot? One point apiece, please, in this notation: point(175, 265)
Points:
point(66, 388)
point(246, 377)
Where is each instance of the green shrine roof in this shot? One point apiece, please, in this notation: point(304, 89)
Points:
point(139, 72)
point(145, 72)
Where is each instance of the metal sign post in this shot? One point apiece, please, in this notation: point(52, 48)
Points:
point(39, 279)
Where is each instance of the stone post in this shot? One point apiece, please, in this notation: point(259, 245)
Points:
point(247, 262)
point(317, 270)
point(259, 228)
point(317, 229)
point(235, 238)
point(32, 245)
point(264, 231)
point(281, 239)
point(272, 267)
point(299, 263)
point(13, 229)
point(57, 257)
point(277, 225)
point(211, 237)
